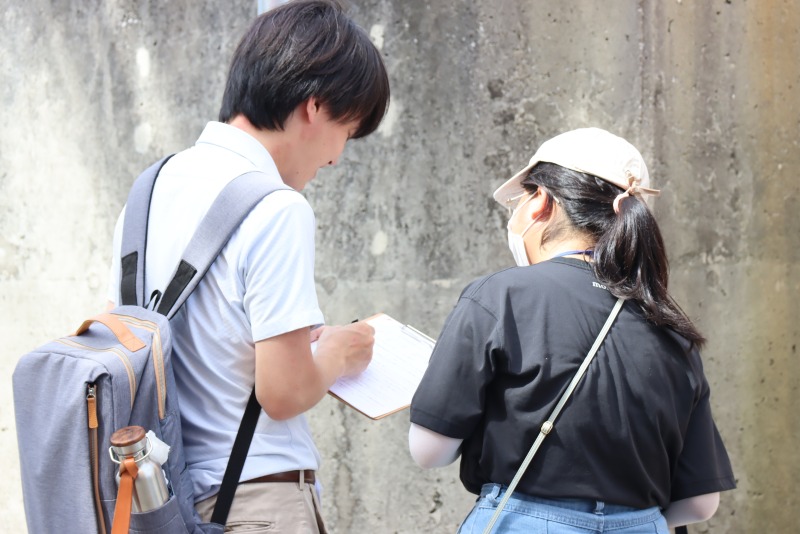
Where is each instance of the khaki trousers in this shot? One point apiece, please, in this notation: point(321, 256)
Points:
point(270, 508)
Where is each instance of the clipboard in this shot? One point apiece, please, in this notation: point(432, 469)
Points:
point(399, 360)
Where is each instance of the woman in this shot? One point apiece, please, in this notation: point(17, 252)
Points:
point(635, 448)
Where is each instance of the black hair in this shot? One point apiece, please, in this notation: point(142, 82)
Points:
point(629, 254)
point(302, 49)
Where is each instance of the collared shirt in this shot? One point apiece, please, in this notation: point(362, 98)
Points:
point(261, 285)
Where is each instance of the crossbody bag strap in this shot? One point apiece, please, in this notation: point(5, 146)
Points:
point(230, 480)
point(548, 425)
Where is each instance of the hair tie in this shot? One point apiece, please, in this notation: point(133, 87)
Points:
point(626, 194)
point(633, 189)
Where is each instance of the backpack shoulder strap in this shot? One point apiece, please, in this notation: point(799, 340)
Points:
point(229, 209)
point(134, 236)
point(234, 203)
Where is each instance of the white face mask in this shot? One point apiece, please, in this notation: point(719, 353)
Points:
point(516, 243)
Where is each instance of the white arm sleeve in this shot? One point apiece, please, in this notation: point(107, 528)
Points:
point(430, 449)
point(692, 510)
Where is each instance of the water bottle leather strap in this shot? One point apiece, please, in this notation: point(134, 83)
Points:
point(122, 510)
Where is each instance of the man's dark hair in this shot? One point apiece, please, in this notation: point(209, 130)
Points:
point(302, 49)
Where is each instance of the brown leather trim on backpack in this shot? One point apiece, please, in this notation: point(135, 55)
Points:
point(158, 357)
point(122, 511)
point(122, 333)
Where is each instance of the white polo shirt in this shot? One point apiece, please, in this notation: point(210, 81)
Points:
point(260, 286)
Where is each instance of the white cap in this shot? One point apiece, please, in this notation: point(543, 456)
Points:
point(591, 151)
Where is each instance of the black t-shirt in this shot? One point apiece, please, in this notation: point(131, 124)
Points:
point(638, 429)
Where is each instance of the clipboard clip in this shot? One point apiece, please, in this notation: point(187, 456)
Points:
point(419, 335)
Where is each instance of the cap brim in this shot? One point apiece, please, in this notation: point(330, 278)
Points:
point(513, 186)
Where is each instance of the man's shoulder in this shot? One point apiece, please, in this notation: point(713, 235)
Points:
point(283, 205)
point(281, 221)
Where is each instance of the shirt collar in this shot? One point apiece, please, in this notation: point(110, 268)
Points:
point(239, 142)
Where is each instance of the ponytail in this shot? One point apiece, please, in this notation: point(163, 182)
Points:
point(629, 254)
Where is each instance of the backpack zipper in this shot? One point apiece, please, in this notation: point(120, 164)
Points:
point(91, 405)
point(158, 357)
point(121, 355)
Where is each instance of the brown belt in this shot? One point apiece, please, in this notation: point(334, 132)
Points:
point(286, 476)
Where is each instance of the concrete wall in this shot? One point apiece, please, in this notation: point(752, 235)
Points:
point(93, 91)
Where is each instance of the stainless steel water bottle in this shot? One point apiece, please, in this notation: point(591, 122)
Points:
point(150, 486)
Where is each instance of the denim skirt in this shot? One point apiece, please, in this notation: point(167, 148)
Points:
point(533, 515)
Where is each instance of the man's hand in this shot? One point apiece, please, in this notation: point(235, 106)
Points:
point(352, 343)
point(289, 380)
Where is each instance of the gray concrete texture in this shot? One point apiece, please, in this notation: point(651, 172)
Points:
point(93, 91)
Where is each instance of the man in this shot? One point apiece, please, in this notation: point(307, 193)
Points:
point(304, 79)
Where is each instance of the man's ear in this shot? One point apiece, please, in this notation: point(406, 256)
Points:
point(312, 109)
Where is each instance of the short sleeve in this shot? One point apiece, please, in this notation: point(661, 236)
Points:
point(280, 292)
point(450, 398)
point(703, 465)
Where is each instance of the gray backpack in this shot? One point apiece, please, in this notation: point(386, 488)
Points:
point(115, 371)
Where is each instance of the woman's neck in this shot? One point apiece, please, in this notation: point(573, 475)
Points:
point(580, 248)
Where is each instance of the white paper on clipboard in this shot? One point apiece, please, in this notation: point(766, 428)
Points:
point(399, 360)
